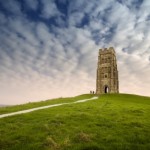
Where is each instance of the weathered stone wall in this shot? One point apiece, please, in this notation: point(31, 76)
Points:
point(107, 73)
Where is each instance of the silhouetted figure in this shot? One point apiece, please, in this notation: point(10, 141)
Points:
point(93, 92)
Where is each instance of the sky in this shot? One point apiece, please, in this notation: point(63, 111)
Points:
point(49, 48)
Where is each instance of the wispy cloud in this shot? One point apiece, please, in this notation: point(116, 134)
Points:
point(32, 4)
point(50, 48)
point(49, 9)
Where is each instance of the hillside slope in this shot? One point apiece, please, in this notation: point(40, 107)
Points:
point(114, 121)
point(30, 105)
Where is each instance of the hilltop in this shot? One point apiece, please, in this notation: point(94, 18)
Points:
point(113, 121)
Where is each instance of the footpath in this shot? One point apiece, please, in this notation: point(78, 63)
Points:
point(44, 107)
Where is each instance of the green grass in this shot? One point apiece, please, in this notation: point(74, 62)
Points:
point(114, 121)
point(9, 109)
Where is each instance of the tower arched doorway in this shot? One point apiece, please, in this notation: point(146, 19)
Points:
point(106, 89)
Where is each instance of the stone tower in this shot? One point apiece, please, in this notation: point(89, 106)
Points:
point(107, 73)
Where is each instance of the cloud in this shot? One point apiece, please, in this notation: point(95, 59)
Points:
point(50, 55)
point(134, 75)
point(11, 7)
point(49, 9)
point(32, 4)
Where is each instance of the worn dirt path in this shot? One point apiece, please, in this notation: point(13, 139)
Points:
point(44, 107)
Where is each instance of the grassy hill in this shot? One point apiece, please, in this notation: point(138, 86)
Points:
point(114, 121)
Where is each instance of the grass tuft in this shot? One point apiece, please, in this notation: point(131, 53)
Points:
point(83, 137)
point(50, 143)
